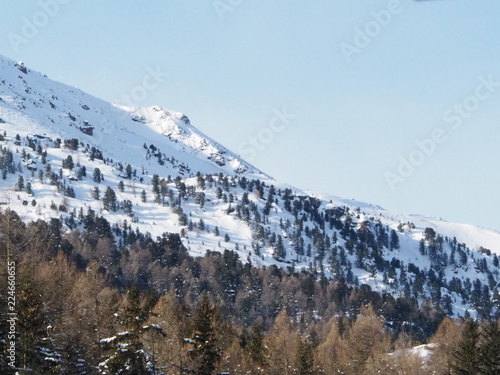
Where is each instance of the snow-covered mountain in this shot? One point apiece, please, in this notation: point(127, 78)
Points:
point(64, 153)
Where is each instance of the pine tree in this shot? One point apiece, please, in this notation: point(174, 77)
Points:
point(156, 184)
point(109, 200)
point(96, 193)
point(467, 357)
point(97, 175)
point(68, 163)
point(205, 353)
point(279, 251)
point(20, 183)
point(304, 364)
point(36, 352)
point(29, 189)
point(128, 170)
point(490, 349)
point(127, 355)
point(255, 346)
point(394, 240)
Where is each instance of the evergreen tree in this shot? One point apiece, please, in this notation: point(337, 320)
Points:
point(127, 355)
point(126, 206)
point(304, 364)
point(467, 357)
point(204, 354)
point(97, 175)
point(255, 346)
point(68, 163)
point(19, 184)
point(29, 189)
point(36, 353)
point(109, 200)
point(69, 192)
point(128, 171)
point(394, 240)
point(156, 184)
point(81, 173)
point(279, 250)
point(218, 193)
point(96, 193)
point(490, 349)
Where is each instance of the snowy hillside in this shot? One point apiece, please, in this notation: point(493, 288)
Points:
point(68, 155)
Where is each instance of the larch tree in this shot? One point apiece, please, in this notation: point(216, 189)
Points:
point(444, 343)
point(368, 343)
point(282, 343)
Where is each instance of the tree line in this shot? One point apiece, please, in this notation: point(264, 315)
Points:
point(85, 306)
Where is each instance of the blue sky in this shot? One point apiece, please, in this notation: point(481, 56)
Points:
point(409, 121)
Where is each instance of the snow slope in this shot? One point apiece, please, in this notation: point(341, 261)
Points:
point(35, 112)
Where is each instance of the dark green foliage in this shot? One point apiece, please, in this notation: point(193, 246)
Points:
point(394, 240)
point(29, 189)
point(19, 184)
point(81, 173)
point(255, 346)
point(126, 206)
point(97, 175)
point(467, 358)
point(304, 363)
point(279, 250)
point(128, 170)
point(490, 349)
point(35, 350)
point(69, 192)
point(96, 193)
point(72, 144)
point(204, 353)
point(127, 355)
point(68, 163)
point(109, 200)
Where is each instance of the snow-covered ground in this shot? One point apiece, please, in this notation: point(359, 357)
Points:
point(158, 141)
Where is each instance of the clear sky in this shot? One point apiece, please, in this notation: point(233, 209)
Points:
point(390, 102)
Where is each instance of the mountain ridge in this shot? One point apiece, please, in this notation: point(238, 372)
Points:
point(182, 181)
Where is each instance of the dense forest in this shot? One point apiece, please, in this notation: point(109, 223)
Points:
point(88, 304)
